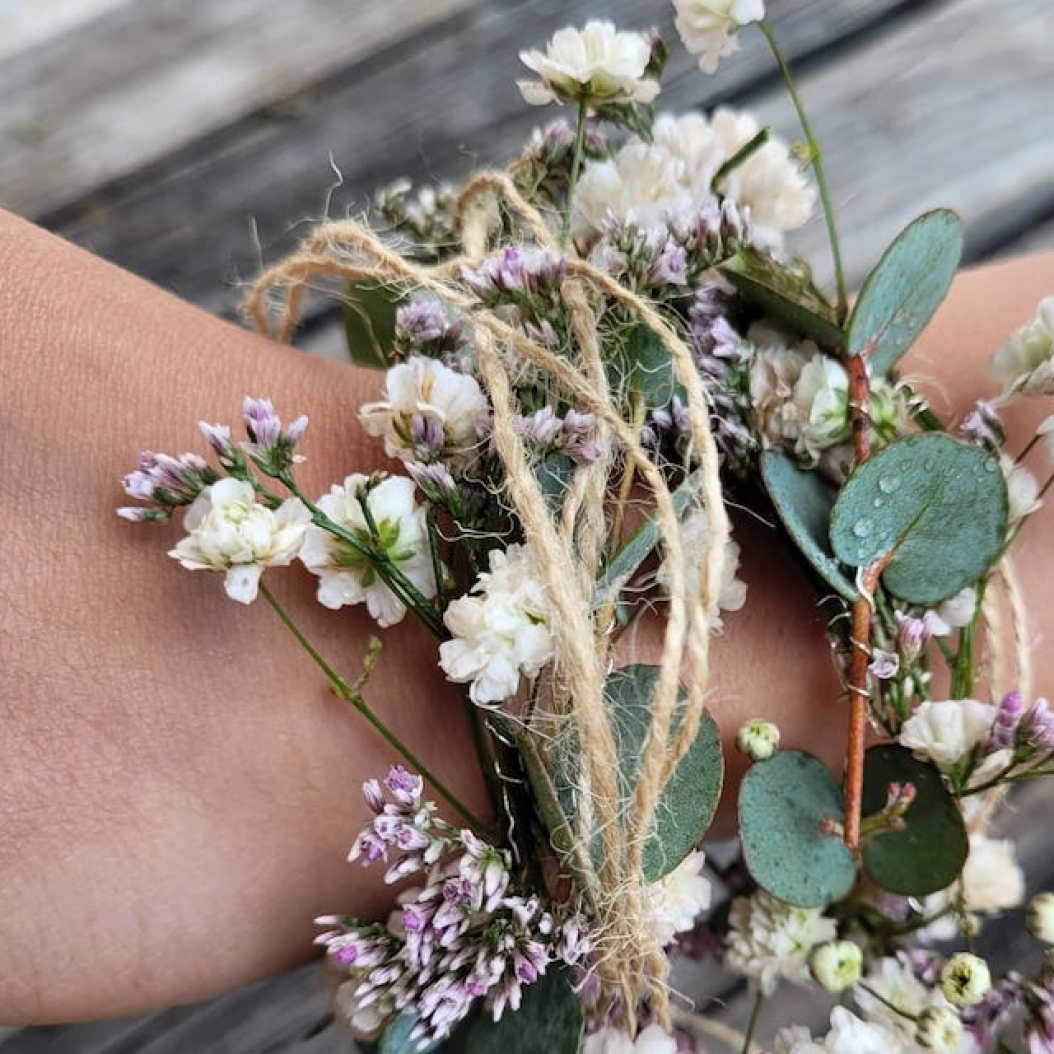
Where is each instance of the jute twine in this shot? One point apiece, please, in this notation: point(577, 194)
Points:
point(567, 549)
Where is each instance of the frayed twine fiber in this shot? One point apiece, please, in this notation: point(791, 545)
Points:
point(567, 551)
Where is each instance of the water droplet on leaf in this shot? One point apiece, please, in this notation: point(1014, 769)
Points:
point(888, 484)
point(862, 528)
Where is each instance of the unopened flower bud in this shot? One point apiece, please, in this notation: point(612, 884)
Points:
point(1039, 917)
point(965, 979)
point(758, 739)
point(837, 965)
point(939, 1029)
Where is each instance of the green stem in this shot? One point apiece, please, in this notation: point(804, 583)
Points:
point(752, 146)
point(816, 159)
point(752, 1024)
point(344, 691)
point(576, 164)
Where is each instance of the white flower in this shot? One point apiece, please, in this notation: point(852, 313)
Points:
point(758, 739)
point(429, 411)
point(965, 979)
point(836, 965)
point(992, 879)
point(769, 939)
point(800, 399)
point(500, 631)
point(229, 530)
point(946, 732)
point(959, 610)
point(651, 1040)
point(1039, 917)
point(1024, 363)
point(668, 181)
point(1022, 489)
point(675, 901)
point(848, 1035)
point(347, 575)
point(597, 63)
point(940, 1029)
point(695, 535)
point(891, 983)
point(708, 27)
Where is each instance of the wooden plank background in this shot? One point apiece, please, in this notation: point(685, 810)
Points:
point(189, 140)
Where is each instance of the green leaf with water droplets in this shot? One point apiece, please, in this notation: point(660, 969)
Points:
point(934, 508)
point(803, 501)
point(901, 294)
point(928, 854)
point(369, 323)
point(549, 1021)
point(788, 296)
point(783, 803)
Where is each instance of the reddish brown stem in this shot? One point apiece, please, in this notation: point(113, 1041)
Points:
point(860, 634)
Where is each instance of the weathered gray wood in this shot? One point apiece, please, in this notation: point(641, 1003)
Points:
point(429, 110)
point(143, 79)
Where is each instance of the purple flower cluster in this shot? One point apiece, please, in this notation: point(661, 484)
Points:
point(165, 483)
point(271, 446)
point(1028, 732)
point(520, 277)
point(462, 936)
point(425, 215)
point(570, 434)
point(422, 327)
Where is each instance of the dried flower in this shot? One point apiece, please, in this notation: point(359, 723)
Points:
point(166, 483)
point(1024, 362)
point(965, 979)
point(348, 572)
point(230, 531)
point(991, 879)
point(758, 739)
point(271, 446)
point(674, 902)
point(836, 965)
point(1039, 917)
point(597, 64)
point(651, 1040)
point(947, 732)
point(708, 27)
point(939, 1028)
point(500, 631)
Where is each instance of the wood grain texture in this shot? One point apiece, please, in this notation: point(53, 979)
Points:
point(428, 108)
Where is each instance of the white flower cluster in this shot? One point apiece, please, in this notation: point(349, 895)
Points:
point(676, 900)
point(1024, 364)
point(708, 27)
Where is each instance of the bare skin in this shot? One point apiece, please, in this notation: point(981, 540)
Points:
point(179, 787)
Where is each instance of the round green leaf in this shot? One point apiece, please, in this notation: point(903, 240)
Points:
point(369, 322)
point(935, 507)
point(782, 805)
point(930, 852)
point(901, 294)
point(549, 1021)
point(803, 502)
point(640, 362)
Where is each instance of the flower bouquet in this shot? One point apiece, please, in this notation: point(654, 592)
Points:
point(587, 356)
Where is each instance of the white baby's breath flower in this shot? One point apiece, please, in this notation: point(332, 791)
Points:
point(1022, 489)
point(849, 1034)
point(959, 610)
point(348, 576)
point(597, 63)
point(675, 901)
point(429, 411)
point(229, 530)
point(1025, 362)
point(992, 879)
point(708, 27)
point(889, 990)
point(945, 732)
point(769, 939)
point(651, 1040)
point(500, 630)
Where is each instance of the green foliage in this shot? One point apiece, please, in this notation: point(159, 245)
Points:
point(395, 1039)
point(934, 507)
point(554, 474)
point(549, 1021)
point(783, 803)
point(369, 323)
point(928, 854)
point(789, 297)
point(688, 801)
point(901, 294)
point(803, 501)
point(639, 362)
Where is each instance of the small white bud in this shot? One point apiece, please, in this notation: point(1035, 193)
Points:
point(837, 965)
point(965, 979)
point(939, 1029)
point(758, 739)
point(1039, 917)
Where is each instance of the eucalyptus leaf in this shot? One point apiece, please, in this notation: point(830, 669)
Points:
point(901, 294)
point(554, 474)
point(928, 854)
point(803, 501)
point(639, 546)
point(934, 507)
point(640, 362)
point(688, 801)
point(395, 1039)
point(791, 299)
point(549, 1021)
point(369, 323)
point(783, 803)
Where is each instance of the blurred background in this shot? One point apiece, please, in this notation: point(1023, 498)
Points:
point(193, 140)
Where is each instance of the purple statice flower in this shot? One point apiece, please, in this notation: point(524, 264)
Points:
point(570, 434)
point(1007, 719)
point(422, 327)
point(648, 260)
point(544, 168)
point(884, 665)
point(517, 276)
point(913, 632)
point(434, 479)
point(983, 426)
point(424, 215)
point(1035, 732)
point(271, 446)
point(165, 483)
point(985, 1020)
point(713, 234)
